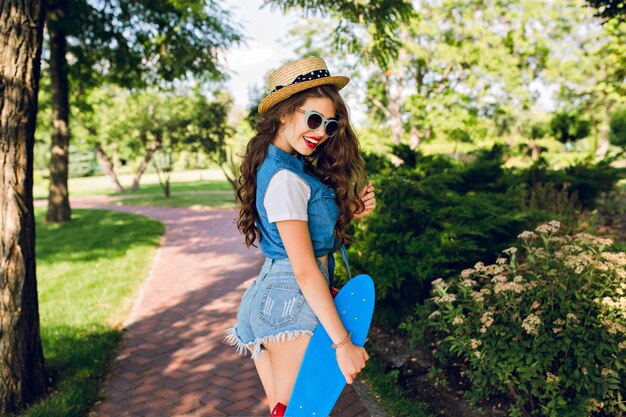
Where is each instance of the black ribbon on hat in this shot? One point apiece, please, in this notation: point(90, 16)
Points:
point(313, 75)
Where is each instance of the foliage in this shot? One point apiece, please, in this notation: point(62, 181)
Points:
point(609, 9)
point(569, 126)
point(545, 324)
point(471, 70)
point(617, 135)
point(586, 180)
point(591, 75)
point(431, 218)
point(129, 124)
point(355, 21)
point(376, 163)
point(554, 198)
point(139, 43)
point(435, 215)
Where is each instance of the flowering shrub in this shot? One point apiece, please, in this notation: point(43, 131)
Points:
point(544, 325)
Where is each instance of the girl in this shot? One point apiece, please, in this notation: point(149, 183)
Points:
point(298, 192)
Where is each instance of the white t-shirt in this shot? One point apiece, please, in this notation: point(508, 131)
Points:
point(287, 197)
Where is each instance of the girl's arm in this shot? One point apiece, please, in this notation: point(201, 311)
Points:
point(297, 241)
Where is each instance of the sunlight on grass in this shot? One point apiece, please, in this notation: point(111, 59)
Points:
point(101, 185)
point(88, 273)
point(215, 199)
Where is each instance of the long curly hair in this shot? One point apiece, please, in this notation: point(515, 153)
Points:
point(337, 162)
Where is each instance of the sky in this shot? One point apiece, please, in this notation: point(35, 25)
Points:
point(263, 50)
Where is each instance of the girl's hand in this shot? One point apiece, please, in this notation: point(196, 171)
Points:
point(368, 198)
point(351, 360)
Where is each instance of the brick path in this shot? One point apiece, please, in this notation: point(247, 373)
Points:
point(173, 361)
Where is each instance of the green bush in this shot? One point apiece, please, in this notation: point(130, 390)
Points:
point(586, 180)
point(376, 163)
point(569, 126)
point(545, 325)
point(617, 134)
point(436, 215)
point(423, 229)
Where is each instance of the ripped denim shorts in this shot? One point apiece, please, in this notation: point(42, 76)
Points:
point(272, 309)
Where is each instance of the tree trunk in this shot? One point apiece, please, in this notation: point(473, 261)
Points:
point(166, 187)
point(107, 168)
point(144, 165)
point(58, 196)
point(535, 151)
point(22, 374)
point(416, 137)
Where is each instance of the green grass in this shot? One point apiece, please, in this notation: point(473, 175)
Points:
point(195, 180)
point(88, 273)
point(194, 189)
point(222, 199)
point(385, 386)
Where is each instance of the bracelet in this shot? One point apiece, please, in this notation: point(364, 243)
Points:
point(343, 341)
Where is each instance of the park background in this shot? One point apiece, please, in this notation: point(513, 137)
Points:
point(494, 133)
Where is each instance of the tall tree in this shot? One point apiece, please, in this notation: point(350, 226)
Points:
point(375, 21)
point(22, 375)
point(160, 123)
point(132, 44)
point(460, 63)
point(58, 196)
point(591, 75)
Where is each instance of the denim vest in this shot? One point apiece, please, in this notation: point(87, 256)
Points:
point(322, 210)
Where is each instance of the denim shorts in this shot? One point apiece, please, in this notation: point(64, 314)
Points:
point(272, 309)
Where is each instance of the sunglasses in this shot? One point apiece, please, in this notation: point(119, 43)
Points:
point(314, 120)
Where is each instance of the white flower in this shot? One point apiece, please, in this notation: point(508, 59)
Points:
point(527, 235)
point(487, 319)
point(467, 283)
point(531, 324)
point(499, 278)
point(508, 286)
point(466, 273)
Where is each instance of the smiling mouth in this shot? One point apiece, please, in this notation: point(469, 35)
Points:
point(311, 142)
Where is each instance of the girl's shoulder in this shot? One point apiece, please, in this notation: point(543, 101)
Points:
point(284, 175)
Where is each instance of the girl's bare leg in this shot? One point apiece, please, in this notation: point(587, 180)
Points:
point(264, 368)
point(285, 359)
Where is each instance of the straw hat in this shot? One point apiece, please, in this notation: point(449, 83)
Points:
point(297, 76)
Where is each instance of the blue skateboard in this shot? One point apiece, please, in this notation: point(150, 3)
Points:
point(320, 382)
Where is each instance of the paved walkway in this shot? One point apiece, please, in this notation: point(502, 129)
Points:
point(173, 361)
